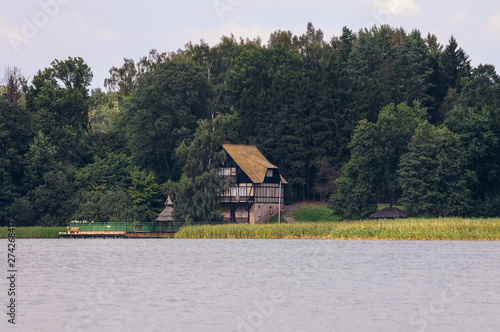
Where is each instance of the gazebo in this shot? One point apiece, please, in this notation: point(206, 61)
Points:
point(389, 213)
point(166, 214)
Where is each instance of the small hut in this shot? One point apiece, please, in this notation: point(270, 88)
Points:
point(166, 214)
point(389, 213)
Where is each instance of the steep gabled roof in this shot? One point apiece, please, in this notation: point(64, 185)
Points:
point(166, 214)
point(389, 213)
point(251, 161)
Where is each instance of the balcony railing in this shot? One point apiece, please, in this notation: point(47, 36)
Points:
point(237, 199)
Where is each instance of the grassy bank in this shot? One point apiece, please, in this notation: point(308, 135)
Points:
point(404, 229)
point(33, 232)
point(310, 213)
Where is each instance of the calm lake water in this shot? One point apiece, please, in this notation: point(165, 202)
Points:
point(255, 285)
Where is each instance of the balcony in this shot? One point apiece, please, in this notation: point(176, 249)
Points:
point(238, 199)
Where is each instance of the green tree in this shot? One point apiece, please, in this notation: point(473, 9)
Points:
point(111, 172)
point(124, 80)
point(58, 98)
point(15, 137)
point(40, 159)
point(196, 196)
point(356, 188)
point(481, 89)
point(455, 64)
point(374, 72)
point(113, 205)
point(145, 193)
point(479, 131)
point(415, 69)
point(49, 204)
point(395, 127)
point(164, 112)
point(433, 174)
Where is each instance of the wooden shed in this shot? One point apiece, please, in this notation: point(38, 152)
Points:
point(389, 213)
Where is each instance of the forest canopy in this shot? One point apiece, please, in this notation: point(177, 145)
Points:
point(378, 115)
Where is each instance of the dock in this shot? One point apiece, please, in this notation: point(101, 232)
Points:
point(119, 234)
point(116, 230)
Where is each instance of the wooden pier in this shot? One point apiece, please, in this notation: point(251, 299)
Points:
point(76, 233)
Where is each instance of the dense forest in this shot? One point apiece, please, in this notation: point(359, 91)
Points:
point(381, 115)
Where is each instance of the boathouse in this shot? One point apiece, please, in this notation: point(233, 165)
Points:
point(257, 190)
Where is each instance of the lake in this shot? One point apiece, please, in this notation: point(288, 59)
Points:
point(255, 285)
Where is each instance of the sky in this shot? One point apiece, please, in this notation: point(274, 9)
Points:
point(35, 32)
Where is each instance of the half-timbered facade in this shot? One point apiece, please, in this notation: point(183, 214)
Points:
point(257, 186)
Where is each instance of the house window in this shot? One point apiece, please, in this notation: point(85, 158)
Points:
point(259, 212)
point(270, 210)
point(269, 173)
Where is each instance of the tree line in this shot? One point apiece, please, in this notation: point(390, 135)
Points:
point(381, 115)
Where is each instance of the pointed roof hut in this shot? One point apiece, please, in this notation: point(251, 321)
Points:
point(389, 213)
point(166, 214)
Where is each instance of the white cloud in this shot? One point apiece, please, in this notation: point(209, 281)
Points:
point(397, 7)
point(110, 36)
point(460, 18)
point(494, 24)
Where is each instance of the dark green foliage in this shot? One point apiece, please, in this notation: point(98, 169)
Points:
point(433, 174)
point(355, 197)
point(196, 195)
point(106, 173)
point(196, 200)
point(105, 206)
point(480, 133)
point(58, 98)
point(49, 204)
point(115, 176)
point(164, 112)
point(481, 89)
point(395, 127)
point(455, 64)
point(300, 99)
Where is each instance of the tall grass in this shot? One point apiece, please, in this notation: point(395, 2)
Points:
point(33, 232)
point(403, 229)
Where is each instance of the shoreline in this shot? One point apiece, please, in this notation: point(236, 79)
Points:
point(432, 229)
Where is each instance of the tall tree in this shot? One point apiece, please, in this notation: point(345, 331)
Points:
point(455, 64)
point(479, 131)
point(395, 127)
point(374, 72)
point(164, 112)
point(13, 81)
point(481, 89)
point(433, 174)
point(356, 188)
point(58, 98)
point(415, 70)
point(196, 196)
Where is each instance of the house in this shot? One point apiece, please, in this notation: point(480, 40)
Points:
point(389, 213)
point(256, 192)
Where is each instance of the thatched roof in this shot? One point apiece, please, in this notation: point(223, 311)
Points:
point(166, 214)
point(389, 213)
point(251, 161)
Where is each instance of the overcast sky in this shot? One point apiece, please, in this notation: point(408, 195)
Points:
point(35, 32)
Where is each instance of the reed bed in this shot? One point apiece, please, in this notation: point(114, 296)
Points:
point(33, 232)
point(403, 229)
